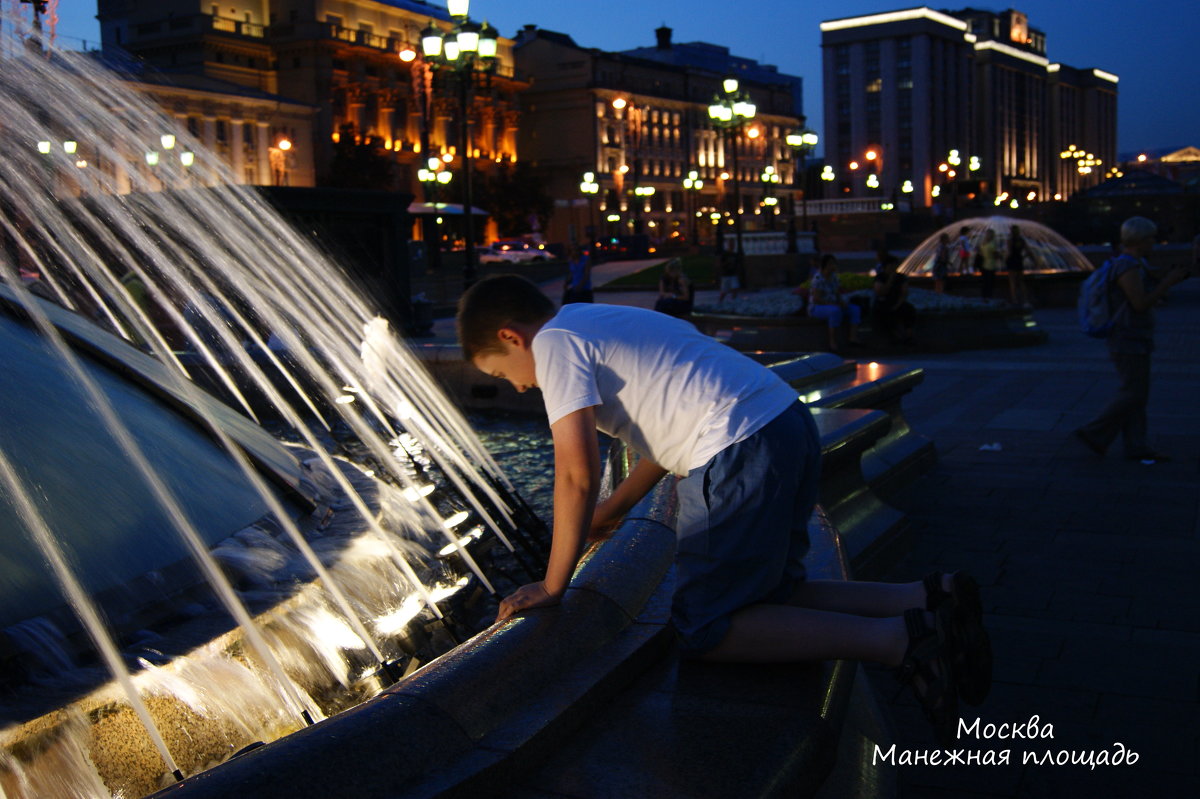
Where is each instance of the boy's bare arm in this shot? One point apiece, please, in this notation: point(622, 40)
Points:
point(637, 484)
point(576, 486)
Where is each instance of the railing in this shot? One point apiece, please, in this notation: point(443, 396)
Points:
point(771, 242)
point(252, 29)
point(858, 205)
point(172, 26)
point(202, 22)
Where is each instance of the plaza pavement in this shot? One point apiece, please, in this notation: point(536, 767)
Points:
point(1090, 568)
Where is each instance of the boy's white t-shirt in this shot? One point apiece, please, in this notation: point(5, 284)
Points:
point(675, 395)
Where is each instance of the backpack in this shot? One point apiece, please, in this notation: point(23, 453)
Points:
point(1096, 314)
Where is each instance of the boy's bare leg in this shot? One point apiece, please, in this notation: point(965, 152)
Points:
point(789, 634)
point(861, 598)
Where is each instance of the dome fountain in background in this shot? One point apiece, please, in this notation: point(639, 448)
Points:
point(1048, 253)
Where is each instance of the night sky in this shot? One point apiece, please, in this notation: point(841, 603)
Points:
point(1150, 44)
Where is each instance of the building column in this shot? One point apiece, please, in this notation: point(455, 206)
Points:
point(264, 143)
point(237, 150)
point(208, 134)
point(387, 115)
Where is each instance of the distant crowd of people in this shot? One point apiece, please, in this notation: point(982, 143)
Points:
point(985, 258)
point(887, 306)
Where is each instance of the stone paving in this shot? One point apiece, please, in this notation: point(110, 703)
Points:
point(1089, 567)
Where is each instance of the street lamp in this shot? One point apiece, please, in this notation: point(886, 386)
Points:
point(590, 188)
point(874, 159)
point(464, 50)
point(770, 202)
point(803, 142)
point(432, 175)
point(729, 111)
point(950, 168)
point(692, 184)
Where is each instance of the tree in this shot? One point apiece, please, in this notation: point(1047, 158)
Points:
point(361, 162)
point(515, 197)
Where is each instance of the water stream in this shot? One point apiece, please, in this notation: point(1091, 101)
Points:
point(117, 223)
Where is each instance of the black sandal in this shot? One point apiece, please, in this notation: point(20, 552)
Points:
point(929, 671)
point(960, 611)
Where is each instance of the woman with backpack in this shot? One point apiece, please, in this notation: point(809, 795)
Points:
point(1133, 293)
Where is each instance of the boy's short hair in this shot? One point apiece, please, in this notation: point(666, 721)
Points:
point(495, 302)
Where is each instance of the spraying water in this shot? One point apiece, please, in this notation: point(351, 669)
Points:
point(116, 215)
point(1047, 250)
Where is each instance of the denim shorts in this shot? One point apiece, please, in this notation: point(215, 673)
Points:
point(742, 528)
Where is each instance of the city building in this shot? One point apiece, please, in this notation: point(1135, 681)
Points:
point(1180, 164)
point(948, 107)
point(626, 145)
point(355, 67)
point(255, 133)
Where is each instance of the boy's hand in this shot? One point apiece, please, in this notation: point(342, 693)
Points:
point(533, 595)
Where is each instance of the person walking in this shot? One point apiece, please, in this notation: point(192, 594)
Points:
point(578, 285)
point(1134, 292)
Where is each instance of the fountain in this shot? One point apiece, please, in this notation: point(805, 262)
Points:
point(1048, 252)
point(1054, 267)
point(177, 584)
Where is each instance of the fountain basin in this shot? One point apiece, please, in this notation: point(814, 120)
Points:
point(506, 689)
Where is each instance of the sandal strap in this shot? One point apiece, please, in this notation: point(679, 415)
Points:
point(920, 637)
point(917, 627)
point(936, 692)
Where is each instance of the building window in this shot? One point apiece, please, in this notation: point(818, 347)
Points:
point(874, 86)
point(841, 59)
point(872, 59)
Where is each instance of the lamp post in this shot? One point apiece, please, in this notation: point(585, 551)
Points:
point(803, 142)
point(434, 174)
point(692, 185)
point(770, 202)
point(464, 50)
point(874, 160)
point(1085, 162)
point(590, 188)
point(730, 111)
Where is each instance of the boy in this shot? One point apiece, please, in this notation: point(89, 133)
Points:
point(748, 455)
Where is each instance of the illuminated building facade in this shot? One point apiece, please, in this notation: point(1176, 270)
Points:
point(353, 66)
point(960, 104)
point(252, 131)
point(638, 123)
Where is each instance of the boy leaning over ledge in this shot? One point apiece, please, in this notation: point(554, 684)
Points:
point(746, 454)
